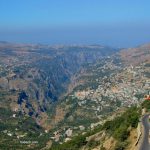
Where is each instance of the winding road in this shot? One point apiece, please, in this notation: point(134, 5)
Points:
point(145, 145)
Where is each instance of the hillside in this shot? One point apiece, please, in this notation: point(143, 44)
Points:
point(112, 135)
point(136, 55)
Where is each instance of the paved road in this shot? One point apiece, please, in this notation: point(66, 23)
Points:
point(145, 145)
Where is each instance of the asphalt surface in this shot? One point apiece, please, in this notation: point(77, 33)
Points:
point(145, 145)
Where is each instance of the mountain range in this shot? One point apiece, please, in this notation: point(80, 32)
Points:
point(58, 92)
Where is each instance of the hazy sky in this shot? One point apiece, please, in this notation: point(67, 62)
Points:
point(111, 22)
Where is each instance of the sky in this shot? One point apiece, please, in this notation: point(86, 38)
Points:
point(117, 23)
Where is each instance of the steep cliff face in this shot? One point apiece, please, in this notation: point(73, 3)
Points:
point(39, 75)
